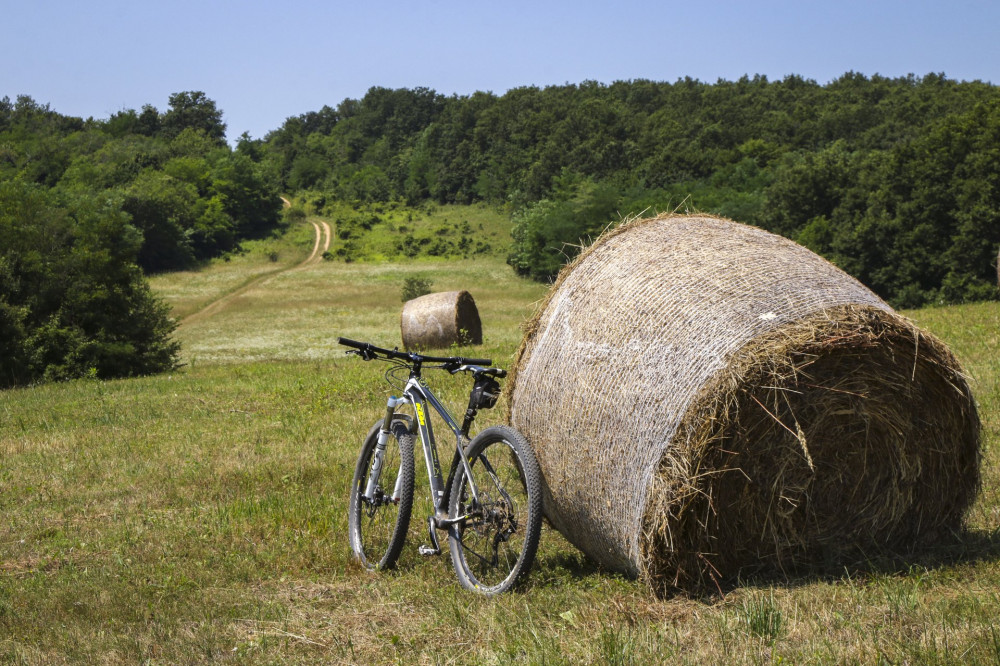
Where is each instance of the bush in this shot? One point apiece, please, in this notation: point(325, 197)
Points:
point(550, 232)
point(73, 302)
point(297, 213)
point(414, 287)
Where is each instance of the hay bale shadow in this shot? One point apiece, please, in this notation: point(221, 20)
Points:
point(966, 547)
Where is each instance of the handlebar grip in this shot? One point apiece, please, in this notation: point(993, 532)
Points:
point(476, 361)
point(352, 343)
point(366, 350)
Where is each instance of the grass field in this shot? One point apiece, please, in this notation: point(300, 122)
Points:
point(190, 291)
point(200, 516)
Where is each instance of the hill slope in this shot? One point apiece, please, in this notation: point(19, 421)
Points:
point(201, 516)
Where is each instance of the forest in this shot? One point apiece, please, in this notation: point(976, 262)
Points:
point(895, 180)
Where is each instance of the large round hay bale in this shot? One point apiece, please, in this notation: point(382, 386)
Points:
point(707, 399)
point(439, 320)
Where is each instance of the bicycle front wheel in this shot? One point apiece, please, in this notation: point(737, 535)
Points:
point(377, 526)
point(494, 547)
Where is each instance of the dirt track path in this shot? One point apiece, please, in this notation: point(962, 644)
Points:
point(327, 236)
point(324, 236)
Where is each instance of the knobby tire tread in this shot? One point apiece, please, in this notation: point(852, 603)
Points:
point(531, 476)
point(402, 439)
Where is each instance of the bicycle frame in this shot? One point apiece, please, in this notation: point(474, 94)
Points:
point(420, 396)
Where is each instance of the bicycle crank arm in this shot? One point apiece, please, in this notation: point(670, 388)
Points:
point(444, 523)
point(434, 549)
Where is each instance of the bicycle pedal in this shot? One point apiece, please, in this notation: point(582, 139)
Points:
point(435, 548)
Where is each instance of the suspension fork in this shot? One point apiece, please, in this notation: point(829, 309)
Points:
point(384, 433)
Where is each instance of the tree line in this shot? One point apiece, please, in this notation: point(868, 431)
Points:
point(89, 207)
point(894, 179)
point(897, 180)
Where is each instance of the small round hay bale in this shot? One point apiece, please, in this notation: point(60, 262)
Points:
point(708, 400)
point(440, 320)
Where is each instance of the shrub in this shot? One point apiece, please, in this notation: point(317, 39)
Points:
point(296, 213)
point(414, 287)
point(73, 302)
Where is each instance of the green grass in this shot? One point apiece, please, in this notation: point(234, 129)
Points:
point(379, 232)
point(298, 315)
point(200, 516)
point(189, 291)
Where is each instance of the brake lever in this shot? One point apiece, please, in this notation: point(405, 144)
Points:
point(365, 354)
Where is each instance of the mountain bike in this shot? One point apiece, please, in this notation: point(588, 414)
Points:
point(491, 505)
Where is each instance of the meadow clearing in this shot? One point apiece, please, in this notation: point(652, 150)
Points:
point(201, 515)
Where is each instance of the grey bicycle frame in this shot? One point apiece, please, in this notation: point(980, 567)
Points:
point(420, 396)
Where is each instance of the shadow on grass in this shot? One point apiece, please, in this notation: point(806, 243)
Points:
point(570, 567)
point(574, 565)
point(967, 547)
point(955, 549)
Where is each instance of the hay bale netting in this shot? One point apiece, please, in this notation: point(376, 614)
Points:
point(707, 400)
point(440, 320)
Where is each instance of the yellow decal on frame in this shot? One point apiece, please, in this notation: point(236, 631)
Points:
point(420, 413)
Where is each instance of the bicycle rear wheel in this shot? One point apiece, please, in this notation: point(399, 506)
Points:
point(494, 548)
point(377, 526)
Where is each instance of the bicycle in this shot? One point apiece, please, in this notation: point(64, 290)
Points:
point(491, 505)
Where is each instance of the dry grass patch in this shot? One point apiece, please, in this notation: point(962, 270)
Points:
point(299, 315)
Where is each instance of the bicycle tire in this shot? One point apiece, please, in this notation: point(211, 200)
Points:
point(377, 529)
point(493, 550)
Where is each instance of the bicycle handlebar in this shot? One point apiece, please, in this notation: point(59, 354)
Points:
point(369, 350)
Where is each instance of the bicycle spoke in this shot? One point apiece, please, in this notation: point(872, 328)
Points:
point(378, 525)
point(479, 557)
point(496, 481)
point(491, 546)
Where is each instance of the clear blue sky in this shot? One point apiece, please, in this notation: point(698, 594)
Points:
point(265, 61)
